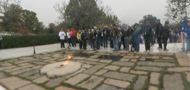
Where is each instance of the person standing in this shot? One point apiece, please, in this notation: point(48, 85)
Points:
point(98, 38)
point(165, 34)
point(135, 37)
point(1, 39)
point(115, 33)
point(110, 37)
point(69, 37)
point(105, 36)
point(120, 38)
point(183, 25)
point(147, 36)
point(88, 37)
point(126, 35)
point(62, 38)
point(187, 31)
point(92, 39)
point(158, 33)
point(73, 36)
point(79, 38)
point(84, 38)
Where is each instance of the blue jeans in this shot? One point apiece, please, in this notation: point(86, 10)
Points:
point(92, 44)
point(105, 41)
point(136, 44)
point(98, 44)
point(115, 44)
point(126, 42)
point(188, 44)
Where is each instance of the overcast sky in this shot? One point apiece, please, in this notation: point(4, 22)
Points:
point(128, 11)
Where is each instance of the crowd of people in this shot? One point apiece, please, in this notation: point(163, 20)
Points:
point(129, 37)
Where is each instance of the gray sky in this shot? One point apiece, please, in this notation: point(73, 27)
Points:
point(128, 11)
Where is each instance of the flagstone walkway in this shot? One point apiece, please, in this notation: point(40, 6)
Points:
point(127, 71)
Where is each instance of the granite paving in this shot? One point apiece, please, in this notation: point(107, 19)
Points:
point(167, 71)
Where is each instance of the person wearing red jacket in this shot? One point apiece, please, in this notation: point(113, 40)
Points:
point(73, 35)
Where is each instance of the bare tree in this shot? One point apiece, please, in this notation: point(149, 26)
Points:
point(4, 4)
point(176, 9)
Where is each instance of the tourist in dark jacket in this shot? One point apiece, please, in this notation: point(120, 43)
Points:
point(98, 38)
point(127, 33)
point(92, 39)
point(105, 36)
point(135, 37)
point(114, 35)
point(165, 34)
point(84, 38)
point(147, 36)
point(158, 33)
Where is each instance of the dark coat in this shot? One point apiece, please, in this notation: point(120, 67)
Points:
point(92, 37)
point(159, 29)
point(115, 33)
point(166, 31)
point(147, 31)
point(106, 32)
point(84, 36)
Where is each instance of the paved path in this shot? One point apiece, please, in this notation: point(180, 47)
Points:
point(26, 51)
point(100, 70)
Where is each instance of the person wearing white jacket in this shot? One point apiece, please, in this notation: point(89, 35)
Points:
point(62, 38)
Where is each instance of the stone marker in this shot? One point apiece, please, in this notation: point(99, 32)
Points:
point(118, 83)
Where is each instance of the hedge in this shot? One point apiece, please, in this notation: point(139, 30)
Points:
point(27, 40)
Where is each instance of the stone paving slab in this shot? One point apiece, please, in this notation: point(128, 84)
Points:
point(146, 68)
point(154, 78)
point(120, 76)
point(31, 87)
point(107, 87)
point(173, 82)
point(12, 83)
point(118, 83)
point(41, 80)
point(54, 82)
point(76, 79)
point(160, 64)
point(99, 74)
point(94, 69)
point(91, 83)
point(140, 82)
point(63, 88)
point(127, 64)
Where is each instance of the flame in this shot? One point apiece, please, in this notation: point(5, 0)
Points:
point(67, 62)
